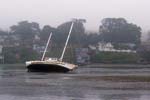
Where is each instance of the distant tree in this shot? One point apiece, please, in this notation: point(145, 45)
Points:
point(148, 36)
point(46, 31)
point(78, 31)
point(19, 54)
point(118, 30)
point(25, 30)
point(3, 32)
point(92, 39)
point(144, 51)
point(78, 27)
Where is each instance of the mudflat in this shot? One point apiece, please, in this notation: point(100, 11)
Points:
point(92, 82)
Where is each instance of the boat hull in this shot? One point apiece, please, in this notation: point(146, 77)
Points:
point(49, 66)
point(46, 68)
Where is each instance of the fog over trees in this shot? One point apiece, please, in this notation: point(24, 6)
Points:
point(28, 34)
point(114, 30)
point(118, 30)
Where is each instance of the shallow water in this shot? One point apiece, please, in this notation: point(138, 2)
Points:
point(85, 83)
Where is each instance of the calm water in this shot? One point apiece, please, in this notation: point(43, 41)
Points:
point(85, 83)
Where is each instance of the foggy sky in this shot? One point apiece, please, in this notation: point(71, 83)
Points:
point(55, 12)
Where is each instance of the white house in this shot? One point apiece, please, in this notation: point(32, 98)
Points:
point(108, 47)
point(105, 46)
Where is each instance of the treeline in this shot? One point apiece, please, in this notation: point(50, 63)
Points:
point(27, 34)
point(114, 30)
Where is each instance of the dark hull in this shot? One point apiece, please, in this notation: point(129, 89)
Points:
point(46, 68)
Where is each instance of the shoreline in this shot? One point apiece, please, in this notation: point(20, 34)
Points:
point(117, 65)
point(101, 65)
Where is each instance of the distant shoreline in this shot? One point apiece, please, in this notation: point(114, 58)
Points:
point(117, 65)
point(95, 65)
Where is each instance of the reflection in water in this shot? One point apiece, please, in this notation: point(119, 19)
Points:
point(17, 84)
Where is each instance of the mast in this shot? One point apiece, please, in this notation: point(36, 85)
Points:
point(61, 58)
point(46, 46)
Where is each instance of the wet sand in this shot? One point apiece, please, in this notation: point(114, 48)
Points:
point(85, 83)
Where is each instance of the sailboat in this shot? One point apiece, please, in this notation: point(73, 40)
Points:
point(52, 64)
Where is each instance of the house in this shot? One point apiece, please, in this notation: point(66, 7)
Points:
point(38, 48)
point(105, 46)
point(108, 47)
